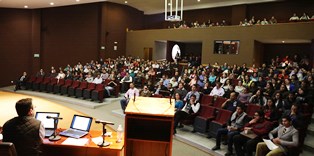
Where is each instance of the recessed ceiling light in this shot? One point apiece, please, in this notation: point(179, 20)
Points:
point(125, 2)
point(77, 0)
point(198, 0)
point(51, 3)
point(283, 41)
point(25, 6)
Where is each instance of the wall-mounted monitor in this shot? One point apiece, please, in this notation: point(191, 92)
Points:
point(226, 46)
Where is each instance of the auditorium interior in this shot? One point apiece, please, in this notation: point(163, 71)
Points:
point(87, 38)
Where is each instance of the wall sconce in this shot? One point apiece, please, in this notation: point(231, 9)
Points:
point(115, 47)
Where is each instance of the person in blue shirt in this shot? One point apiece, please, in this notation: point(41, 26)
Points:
point(178, 102)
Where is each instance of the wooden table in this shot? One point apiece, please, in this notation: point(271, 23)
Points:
point(149, 127)
point(89, 149)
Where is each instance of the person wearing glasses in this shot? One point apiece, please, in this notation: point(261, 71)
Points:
point(24, 131)
point(145, 92)
point(259, 127)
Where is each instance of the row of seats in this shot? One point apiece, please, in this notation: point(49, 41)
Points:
point(70, 87)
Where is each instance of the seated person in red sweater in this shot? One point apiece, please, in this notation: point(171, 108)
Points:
point(260, 127)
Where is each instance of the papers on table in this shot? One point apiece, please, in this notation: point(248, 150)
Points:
point(73, 141)
point(98, 140)
point(270, 144)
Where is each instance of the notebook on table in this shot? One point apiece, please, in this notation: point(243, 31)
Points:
point(80, 126)
point(48, 123)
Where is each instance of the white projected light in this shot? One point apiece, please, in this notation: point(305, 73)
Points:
point(172, 12)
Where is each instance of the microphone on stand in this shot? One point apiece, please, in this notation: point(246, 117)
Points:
point(134, 97)
point(103, 143)
point(54, 137)
point(170, 98)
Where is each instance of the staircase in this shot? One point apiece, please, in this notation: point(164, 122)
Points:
point(308, 147)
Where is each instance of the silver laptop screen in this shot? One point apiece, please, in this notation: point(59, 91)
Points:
point(81, 122)
point(48, 123)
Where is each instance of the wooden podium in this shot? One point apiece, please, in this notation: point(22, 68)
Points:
point(149, 127)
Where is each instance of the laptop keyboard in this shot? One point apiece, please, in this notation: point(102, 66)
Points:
point(73, 132)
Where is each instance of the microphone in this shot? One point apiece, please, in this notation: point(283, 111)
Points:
point(104, 122)
point(134, 97)
point(51, 117)
point(170, 98)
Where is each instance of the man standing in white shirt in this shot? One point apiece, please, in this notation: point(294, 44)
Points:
point(129, 95)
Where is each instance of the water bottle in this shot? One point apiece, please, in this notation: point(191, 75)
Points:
point(119, 133)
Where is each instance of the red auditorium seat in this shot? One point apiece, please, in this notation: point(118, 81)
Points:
point(87, 92)
point(72, 88)
point(207, 100)
point(57, 87)
point(50, 85)
point(64, 88)
point(207, 113)
point(251, 109)
point(30, 82)
point(79, 90)
point(37, 83)
point(220, 120)
point(219, 101)
point(43, 85)
point(98, 93)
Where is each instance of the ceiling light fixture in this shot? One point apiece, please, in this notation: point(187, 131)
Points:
point(25, 6)
point(125, 2)
point(51, 3)
point(198, 0)
point(77, 0)
point(175, 13)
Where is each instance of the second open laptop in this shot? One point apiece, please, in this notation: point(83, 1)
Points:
point(48, 123)
point(80, 126)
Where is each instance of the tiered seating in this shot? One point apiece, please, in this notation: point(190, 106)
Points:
point(72, 88)
point(43, 85)
point(98, 93)
point(51, 84)
point(207, 100)
point(30, 82)
point(207, 113)
point(79, 90)
point(64, 88)
point(220, 120)
point(251, 109)
point(88, 91)
point(57, 87)
point(219, 101)
point(36, 84)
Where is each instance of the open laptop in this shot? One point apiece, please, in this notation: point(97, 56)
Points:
point(48, 123)
point(79, 127)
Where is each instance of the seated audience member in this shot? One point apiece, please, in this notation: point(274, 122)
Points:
point(260, 127)
point(178, 102)
point(270, 111)
point(282, 90)
point(268, 90)
point(174, 82)
point(24, 131)
point(235, 125)
point(190, 108)
point(68, 75)
point(21, 81)
point(145, 92)
point(132, 91)
point(261, 83)
point(279, 102)
point(97, 80)
point(41, 73)
point(192, 92)
point(244, 96)
point(206, 89)
point(295, 115)
point(89, 78)
point(289, 101)
point(294, 17)
point(287, 136)
point(181, 90)
point(111, 86)
point(60, 75)
point(226, 85)
point(264, 22)
point(304, 17)
point(217, 90)
point(126, 80)
point(167, 91)
point(273, 20)
point(258, 98)
point(232, 103)
point(229, 91)
point(239, 88)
